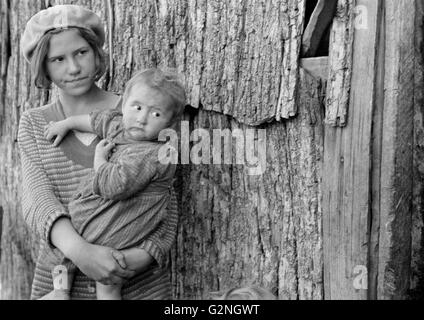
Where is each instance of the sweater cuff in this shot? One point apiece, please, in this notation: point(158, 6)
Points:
point(155, 252)
point(48, 225)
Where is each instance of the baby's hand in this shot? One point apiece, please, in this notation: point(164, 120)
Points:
point(57, 129)
point(103, 149)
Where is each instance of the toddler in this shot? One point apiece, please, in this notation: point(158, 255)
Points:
point(126, 197)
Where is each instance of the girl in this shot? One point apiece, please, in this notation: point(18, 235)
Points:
point(64, 46)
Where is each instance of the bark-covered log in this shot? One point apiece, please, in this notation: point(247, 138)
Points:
point(237, 229)
point(340, 63)
point(417, 254)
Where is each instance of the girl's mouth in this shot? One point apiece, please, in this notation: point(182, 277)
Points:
point(76, 80)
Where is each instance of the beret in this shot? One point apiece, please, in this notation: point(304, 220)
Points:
point(58, 17)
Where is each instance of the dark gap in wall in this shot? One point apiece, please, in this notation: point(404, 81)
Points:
point(310, 7)
point(324, 45)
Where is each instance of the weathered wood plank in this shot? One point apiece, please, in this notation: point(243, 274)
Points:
point(320, 20)
point(4, 56)
point(397, 159)
point(346, 176)
point(376, 166)
point(316, 67)
point(340, 64)
point(263, 229)
point(417, 247)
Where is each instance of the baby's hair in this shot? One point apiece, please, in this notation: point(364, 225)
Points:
point(164, 81)
point(247, 293)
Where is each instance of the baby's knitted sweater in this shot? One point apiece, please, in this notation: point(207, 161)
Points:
point(50, 179)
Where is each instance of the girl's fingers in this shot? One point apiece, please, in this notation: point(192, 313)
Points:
point(125, 273)
point(120, 258)
point(57, 141)
point(48, 136)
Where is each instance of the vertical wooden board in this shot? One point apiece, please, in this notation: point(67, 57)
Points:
point(397, 160)
point(417, 249)
point(340, 63)
point(376, 164)
point(4, 56)
point(346, 176)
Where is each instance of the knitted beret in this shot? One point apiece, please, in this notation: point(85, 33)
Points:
point(58, 17)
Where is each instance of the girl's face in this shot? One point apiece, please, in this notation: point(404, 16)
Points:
point(146, 112)
point(71, 62)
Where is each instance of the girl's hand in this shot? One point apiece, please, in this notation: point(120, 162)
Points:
point(57, 129)
point(99, 263)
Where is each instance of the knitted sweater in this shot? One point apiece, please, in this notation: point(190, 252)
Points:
point(50, 179)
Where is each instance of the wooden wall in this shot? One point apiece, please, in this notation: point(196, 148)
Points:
point(342, 193)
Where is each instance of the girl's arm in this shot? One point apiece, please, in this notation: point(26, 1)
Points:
point(47, 216)
point(40, 206)
point(59, 129)
point(96, 262)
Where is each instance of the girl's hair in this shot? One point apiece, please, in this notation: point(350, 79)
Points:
point(38, 59)
point(165, 81)
point(247, 293)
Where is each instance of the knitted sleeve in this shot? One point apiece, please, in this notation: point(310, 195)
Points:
point(159, 243)
point(131, 173)
point(41, 208)
point(106, 123)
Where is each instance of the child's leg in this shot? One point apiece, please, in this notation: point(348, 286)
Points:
point(108, 292)
point(63, 277)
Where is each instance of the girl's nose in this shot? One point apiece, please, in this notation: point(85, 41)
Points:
point(73, 66)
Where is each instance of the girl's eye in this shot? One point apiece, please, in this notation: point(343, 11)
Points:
point(82, 52)
point(138, 108)
point(60, 59)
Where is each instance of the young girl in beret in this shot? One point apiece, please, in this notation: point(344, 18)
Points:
point(63, 44)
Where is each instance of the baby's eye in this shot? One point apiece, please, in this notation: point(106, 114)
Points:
point(156, 114)
point(136, 107)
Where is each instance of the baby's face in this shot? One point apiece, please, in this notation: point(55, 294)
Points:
point(146, 112)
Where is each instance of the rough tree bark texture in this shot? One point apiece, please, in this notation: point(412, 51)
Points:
point(340, 64)
point(417, 259)
point(238, 229)
point(235, 228)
